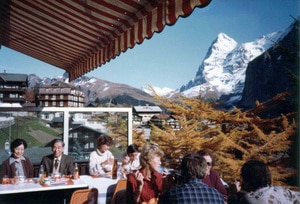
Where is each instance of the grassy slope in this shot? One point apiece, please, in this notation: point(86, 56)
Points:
point(31, 129)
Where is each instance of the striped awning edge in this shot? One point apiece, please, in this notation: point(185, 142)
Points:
point(81, 35)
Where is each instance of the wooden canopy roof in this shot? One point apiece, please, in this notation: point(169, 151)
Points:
point(81, 35)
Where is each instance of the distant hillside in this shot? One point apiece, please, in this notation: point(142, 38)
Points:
point(105, 91)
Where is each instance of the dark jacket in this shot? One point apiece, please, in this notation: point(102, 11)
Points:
point(10, 169)
point(66, 166)
point(214, 180)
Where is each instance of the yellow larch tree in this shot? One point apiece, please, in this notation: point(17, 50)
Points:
point(234, 136)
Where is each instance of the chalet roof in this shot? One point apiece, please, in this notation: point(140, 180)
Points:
point(92, 104)
point(59, 84)
point(161, 116)
point(57, 120)
point(147, 109)
point(80, 36)
point(85, 127)
point(11, 77)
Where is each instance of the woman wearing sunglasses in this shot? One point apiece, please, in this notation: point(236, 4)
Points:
point(212, 178)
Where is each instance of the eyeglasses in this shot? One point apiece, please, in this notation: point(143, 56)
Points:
point(209, 163)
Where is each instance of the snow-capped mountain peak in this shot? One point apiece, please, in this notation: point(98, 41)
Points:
point(159, 91)
point(222, 71)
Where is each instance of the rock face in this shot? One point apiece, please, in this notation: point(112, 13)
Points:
point(273, 72)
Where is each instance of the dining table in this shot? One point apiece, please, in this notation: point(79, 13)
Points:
point(31, 191)
point(105, 185)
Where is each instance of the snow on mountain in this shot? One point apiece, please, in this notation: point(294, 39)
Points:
point(159, 91)
point(222, 71)
point(94, 88)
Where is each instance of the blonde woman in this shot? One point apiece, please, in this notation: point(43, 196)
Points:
point(146, 183)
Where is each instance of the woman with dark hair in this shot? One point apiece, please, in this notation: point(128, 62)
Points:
point(101, 160)
point(131, 161)
point(212, 178)
point(17, 164)
point(257, 179)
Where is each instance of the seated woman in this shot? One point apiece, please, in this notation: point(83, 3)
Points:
point(131, 160)
point(147, 182)
point(212, 178)
point(101, 160)
point(17, 164)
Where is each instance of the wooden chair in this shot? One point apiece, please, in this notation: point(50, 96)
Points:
point(120, 188)
point(85, 196)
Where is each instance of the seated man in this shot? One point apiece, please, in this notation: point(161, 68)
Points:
point(193, 190)
point(58, 162)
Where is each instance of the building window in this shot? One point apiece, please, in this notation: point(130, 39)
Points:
point(13, 96)
point(61, 103)
point(46, 97)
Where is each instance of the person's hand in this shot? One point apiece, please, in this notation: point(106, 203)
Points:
point(95, 174)
point(238, 185)
point(126, 160)
point(111, 160)
point(165, 172)
point(139, 179)
point(108, 161)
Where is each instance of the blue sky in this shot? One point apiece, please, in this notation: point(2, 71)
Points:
point(171, 58)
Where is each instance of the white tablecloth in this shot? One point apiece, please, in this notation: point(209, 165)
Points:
point(29, 192)
point(105, 186)
point(36, 187)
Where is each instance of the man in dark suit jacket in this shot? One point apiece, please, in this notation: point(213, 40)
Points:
point(58, 162)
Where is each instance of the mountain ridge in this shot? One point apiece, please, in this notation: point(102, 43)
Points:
point(222, 71)
point(94, 88)
point(220, 76)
